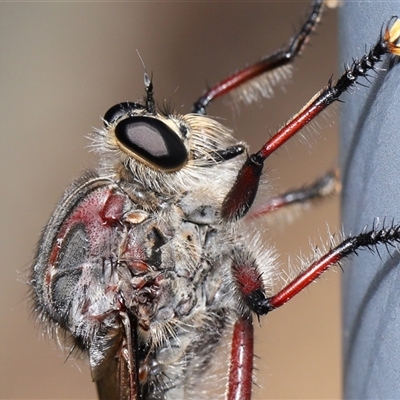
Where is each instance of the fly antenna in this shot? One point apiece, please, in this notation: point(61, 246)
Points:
point(148, 86)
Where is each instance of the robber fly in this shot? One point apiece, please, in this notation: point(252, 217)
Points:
point(149, 263)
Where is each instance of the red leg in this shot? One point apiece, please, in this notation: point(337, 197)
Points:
point(251, 287)
point(241, 367)
point(242, 194)
point(323, 187)
point(274, 61)
point(368, 240)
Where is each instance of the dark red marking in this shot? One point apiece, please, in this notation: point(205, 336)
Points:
point(133, 254)
point(241, 366)
point(243, 192)
point(248, 278)
point(138, 266)
point(112, 210)
point(95, 212)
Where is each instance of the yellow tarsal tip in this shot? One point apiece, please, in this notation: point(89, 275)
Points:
point(393, 35)
point(333, 3)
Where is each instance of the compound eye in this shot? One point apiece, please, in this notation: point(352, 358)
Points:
point(152, 141)
point(120, 110)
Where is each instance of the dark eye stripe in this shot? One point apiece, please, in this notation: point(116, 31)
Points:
point(120, 110)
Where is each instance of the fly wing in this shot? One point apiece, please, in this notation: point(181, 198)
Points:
point(115, 382)
point(108, 386)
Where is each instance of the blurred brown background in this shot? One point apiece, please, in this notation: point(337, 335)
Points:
point(62, 66)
